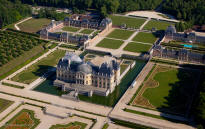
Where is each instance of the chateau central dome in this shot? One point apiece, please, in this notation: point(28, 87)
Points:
point(85, 68)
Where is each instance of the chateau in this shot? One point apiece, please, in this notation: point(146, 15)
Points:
point(98, 76)
point(172, 34)
point(83, 21)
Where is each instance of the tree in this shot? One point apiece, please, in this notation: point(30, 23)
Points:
point(104, 12)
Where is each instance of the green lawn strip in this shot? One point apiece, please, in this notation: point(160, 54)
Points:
point(31, 114)
point(69, 46)
point(122, 68)
point(170, 62)
point(25, 97)
point(93, 120)
point(86, 31)
point(34, 25)
point(4, 104)
point(130, 124)
point(38, 69)
point(12, 85)
point(159, 25)
point(136, 93)
point(110, 43)
point(120, 34)
point(171, 93)
point(76, 123)
point(130, 22)
point(145, 37)
point(20, 62)
point(151, 115)
point(105, 126)
point(71, 29)
point(137, 47)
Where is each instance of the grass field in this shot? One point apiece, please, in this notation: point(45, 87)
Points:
point(72, 125)
point(120, 34)
point(109, 43)
point(23, 120)
point(145, 37)
point(130, 22)
point(38, 69)
point(122, 68)
point(137, 47)
point(71, 29)
point(86, 31)
point(4, 104)
point(167, 89)
point(34, 25)
point(159, 25)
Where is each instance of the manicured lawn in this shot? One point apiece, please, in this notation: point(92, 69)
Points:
point(4, 104)
point(120, 34)
point(122, 68)
point(34, 25)
point(38, 69)
point(137, 47)
point(71, 29)
point(130, 22)
point(167, 89)
point(25, 119)
point(86, 31)
point(159, 25)
point(109, 43)
point(72, 125)
point(145, 37)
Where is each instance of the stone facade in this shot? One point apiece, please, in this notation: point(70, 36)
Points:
point(99, 75)
point(178, 54)
point(172, 34)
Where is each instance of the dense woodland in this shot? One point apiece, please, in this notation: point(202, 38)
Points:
point(12, 12)
point(192, 11)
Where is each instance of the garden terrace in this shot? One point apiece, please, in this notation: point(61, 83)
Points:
point(4, 104)
point(167, 89)
point(86, 31)
point(158, 25)
point(34, 25)
point(38, 69)
point(72, 125)
point(129, 21)
point(120, 34)
point(25, 119)
point(137, 47)
point(17, 48)
point(145, 37)
point(110, 43)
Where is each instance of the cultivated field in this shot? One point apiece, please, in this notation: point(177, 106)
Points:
point(4, 104)
point(34, 25)
point(167, 89)
point(120, 34)
point(86, 31)
point(110, 43)
point(137, 47)
point(159, 25)
point(38, 69)
point(23, 120)
point(71, 29)
point(145, 37)
point(72, 125)
point(130, 22)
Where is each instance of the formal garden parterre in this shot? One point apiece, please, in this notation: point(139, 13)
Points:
point(87, 31)
point(25, 119)
point(137, 47)
point(4, 104)
point(145, 37)
point(167, 89)
point(120, 34)
point(38, 69)
point(158, 25)
point(110, 43)
point(70, 29)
